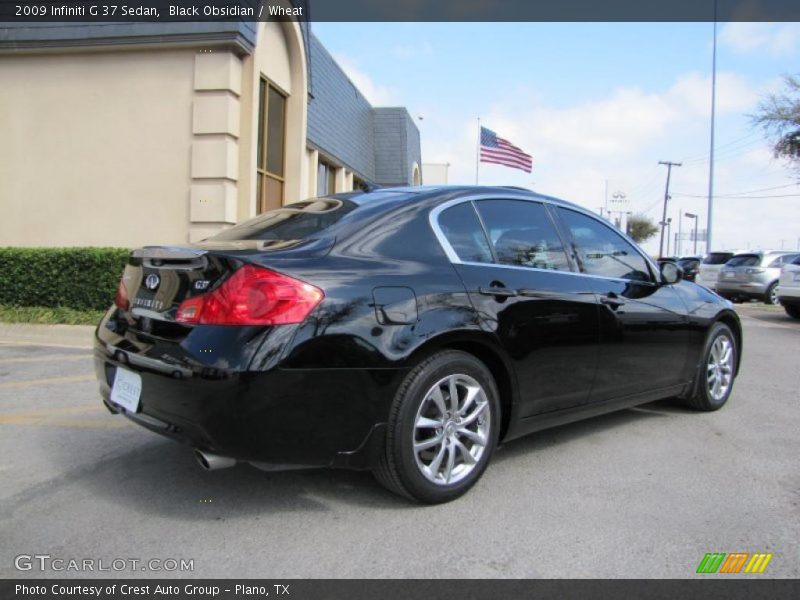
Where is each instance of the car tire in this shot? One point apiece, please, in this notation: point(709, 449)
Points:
point(770, 297)
point(792, 310)
point(455, 458)
point(716, 372)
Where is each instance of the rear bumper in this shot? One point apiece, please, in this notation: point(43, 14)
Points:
point(750, 289)
point(789, 299)
point(280, 418)
point(789, 293)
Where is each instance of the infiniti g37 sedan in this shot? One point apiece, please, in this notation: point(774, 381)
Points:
point(407, 331)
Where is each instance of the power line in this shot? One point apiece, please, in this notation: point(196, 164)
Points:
point(704, 156)
point(738, 197)
point(769, 189)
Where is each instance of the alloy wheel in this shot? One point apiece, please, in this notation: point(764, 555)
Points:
point(451, 429)
point(720, 368)
point(773, 294)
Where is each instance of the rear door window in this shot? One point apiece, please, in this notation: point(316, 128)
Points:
point(783, 260)
point(523, 234)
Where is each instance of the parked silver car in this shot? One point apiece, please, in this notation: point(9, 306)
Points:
point(753, 275)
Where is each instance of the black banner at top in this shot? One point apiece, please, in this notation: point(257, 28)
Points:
point(154, 11)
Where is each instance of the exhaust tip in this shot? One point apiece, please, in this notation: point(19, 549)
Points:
point(212, 462)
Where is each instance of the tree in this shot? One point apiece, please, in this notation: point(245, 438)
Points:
point(779, 116)
point(641, 229)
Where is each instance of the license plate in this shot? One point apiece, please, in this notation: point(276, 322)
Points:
point(126, 389)
point(730, 275)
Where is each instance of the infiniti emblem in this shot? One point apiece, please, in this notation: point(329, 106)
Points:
point(152, 281)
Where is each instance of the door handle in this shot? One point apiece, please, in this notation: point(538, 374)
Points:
point(613, 301)
point(498, 292)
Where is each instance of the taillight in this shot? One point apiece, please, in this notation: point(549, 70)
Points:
point(252, 296)
point(121, 297)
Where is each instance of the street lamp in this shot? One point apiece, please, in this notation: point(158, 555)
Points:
point(689, 215)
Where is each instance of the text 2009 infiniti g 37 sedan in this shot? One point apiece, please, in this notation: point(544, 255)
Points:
point(407, 331)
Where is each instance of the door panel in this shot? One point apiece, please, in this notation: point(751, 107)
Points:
point(548, 323)
point(644, 338)
point(644, 331)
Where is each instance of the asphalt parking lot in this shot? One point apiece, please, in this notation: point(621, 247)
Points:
point(640, 493)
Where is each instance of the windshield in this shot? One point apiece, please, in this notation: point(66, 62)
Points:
point(744, 260)
point(297, 221)
point(717, 258)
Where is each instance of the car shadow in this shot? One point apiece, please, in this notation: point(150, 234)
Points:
point(161, 478)
point(564, 434)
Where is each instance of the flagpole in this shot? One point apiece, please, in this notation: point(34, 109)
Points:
point(478, 152)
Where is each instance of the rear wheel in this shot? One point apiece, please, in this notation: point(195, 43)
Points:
point(771, 297)
point(792, 310)
point(717, 370)
point(443, 427)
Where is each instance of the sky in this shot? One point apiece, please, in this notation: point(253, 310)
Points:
point(596, 103)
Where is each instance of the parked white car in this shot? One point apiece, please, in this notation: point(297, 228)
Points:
point(789, 288)
point(710, 267)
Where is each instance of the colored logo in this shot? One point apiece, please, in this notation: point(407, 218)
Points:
point(735, 562)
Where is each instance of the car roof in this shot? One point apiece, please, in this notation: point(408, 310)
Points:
point(404, 194)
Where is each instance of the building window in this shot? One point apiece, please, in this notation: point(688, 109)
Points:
point(271, 144)
point(360, 184)
point(326, 179)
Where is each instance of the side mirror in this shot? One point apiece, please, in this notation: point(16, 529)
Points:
point(670, 272)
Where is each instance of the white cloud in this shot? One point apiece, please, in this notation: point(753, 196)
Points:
point(377, 95)
point(621, 138)
point(776, 39)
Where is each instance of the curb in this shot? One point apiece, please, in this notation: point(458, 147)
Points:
point(65, 336)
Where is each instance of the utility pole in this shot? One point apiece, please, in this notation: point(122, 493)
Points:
point(669, 165)
point(694, 231)
point(678, 236)
point(711, 149)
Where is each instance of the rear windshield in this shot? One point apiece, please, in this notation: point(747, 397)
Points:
point(744, 260)
point(717, 258)
point(688, 263)
point(298, 221)
point(796, 261)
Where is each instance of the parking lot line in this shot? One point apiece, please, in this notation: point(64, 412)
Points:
point(49, 381)
point(54, 417)
point(32, 344)
point(44, 357)
point(760, 322)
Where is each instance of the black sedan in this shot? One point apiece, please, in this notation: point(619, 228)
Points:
point(690, 266)
point(408, 331)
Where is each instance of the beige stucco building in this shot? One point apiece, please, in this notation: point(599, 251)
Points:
point(131, 134)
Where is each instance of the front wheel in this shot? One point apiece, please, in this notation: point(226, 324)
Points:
point(717, 370)
point(443, 427)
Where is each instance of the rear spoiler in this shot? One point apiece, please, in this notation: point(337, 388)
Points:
point(168, 252)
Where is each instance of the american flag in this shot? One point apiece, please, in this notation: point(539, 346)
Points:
point(496, 150)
